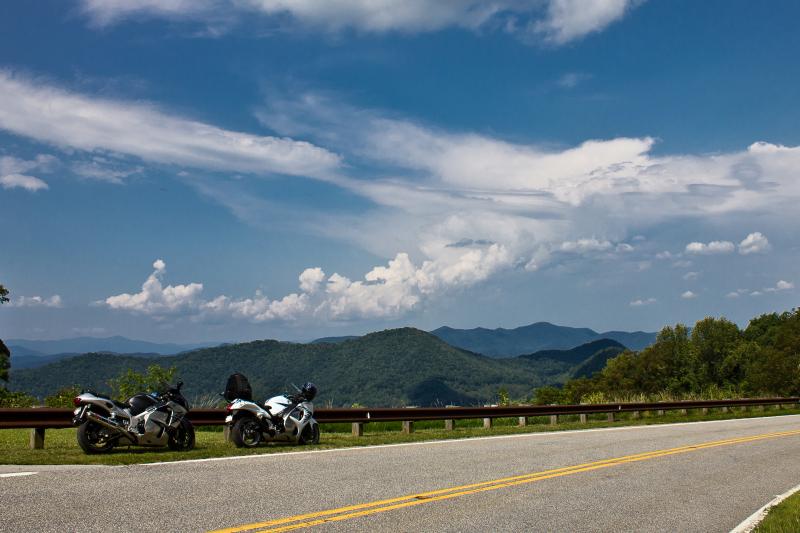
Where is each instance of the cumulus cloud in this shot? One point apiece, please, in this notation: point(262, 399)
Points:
point(154, 298)
point(754, 243)
point(781, 285)
point(46, 113)
point(642, 302)
point(21, 181)
point(385, 291)
point(713, 247)
point(691, 276)
point(555, 21)
point(688, 295)
point(38, 301)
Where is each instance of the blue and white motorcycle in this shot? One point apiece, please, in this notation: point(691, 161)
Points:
point(283, 418)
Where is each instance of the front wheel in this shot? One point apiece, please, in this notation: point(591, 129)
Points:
point(94, 438)
point(310, 434)
point(246, 432)
point(182, 439)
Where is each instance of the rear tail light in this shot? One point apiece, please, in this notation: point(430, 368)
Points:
point(229, 407)
point(76, 401)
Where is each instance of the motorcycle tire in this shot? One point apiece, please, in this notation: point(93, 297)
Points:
point(246, 433)
point(310, 434)
point(90, 439)
point(182, 439)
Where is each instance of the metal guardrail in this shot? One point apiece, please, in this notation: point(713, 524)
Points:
point(46, 417)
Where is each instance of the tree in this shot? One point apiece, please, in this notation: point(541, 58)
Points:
point(713, 341)
point(5, 358)
point(3, 295)
point(131, 382)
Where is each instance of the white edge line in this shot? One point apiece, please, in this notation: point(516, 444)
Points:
point(753, 520)
point(18, 474)
point(540, 434)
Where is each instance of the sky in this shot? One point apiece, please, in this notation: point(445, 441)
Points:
point(225, 170)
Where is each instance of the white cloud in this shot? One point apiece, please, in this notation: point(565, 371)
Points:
point(66, 119)
point(713, 247)
point(38, 301)
point(568, 20)
point(782, 285)
point(555, 21)
point(732, 294)
point(21, 181)
point(754, 243)
point(103, 169)
point(154, 298)
point(691, 276)
point(642, 302)
point(585, 245)
point(688, 295)
point(385, 291)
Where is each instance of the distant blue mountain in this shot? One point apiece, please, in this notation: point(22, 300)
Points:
point(116, 344)
point(503, 342)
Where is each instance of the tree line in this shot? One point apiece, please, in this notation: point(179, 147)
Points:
point(713, 359)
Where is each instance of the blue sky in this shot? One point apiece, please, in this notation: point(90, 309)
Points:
point(239, 169)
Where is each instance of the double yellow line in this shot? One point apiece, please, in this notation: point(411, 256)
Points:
point(381, 506)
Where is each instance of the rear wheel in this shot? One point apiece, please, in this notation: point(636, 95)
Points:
point(94, 438)
point(182, 439)
point(246, 433)
point(310, 434)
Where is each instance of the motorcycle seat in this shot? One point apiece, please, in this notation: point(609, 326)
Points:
point(121, 405)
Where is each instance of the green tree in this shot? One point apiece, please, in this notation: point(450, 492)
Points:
point(713, 341)
point(3, 295)
point(548, 395)
point(131, 382)
point(62, 398)
point(5, 353)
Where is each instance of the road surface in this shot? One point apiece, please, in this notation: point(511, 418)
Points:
point(705, 476)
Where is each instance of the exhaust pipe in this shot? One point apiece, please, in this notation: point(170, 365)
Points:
point(103, 421)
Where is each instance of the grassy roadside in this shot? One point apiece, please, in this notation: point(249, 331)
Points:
point(783, 518)
point(61, 446)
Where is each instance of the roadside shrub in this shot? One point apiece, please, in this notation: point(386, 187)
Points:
point(62, 398)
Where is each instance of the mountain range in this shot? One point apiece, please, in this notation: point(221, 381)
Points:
point(116, 344)
point(389, 368)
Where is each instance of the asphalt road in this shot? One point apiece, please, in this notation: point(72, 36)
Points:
point(712, 476)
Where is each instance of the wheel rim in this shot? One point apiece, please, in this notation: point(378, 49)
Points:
point(97, 437)
point(251, 434)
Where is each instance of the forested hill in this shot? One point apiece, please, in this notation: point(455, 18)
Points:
point(503, 342)
point(394, 367)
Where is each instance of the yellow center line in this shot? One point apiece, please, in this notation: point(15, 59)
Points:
point(380, 506)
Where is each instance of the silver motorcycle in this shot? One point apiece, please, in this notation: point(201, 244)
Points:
point(283, 418)
point(155, 419)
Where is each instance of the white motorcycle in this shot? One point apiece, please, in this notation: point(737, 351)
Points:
point(155, 419)
point(283, 418)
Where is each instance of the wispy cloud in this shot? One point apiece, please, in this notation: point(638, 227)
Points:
point(556, 22)
point(38, 301)
point(642, 302)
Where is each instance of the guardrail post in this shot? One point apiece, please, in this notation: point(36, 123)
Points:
point(487, 423)
point(660, 412)
point(610, 417)
point(449, 424)
point(583, 418)
point(724, 409)
point(37, 438)
point(684, 411)
point(226, 433)
point(553, 420)
point(635, 414)
point(523, 421)
point(777, 406)
point(358, 429)
point(408, 426)
point(704, 410)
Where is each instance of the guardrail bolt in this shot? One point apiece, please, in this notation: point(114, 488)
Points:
point(583, 418)
point(523, 421)
point(408, 426)
point(610, 417)
point(358, 429)
point(37, 438)
point(487, 423)
point(449, 425)
point(553, 420)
